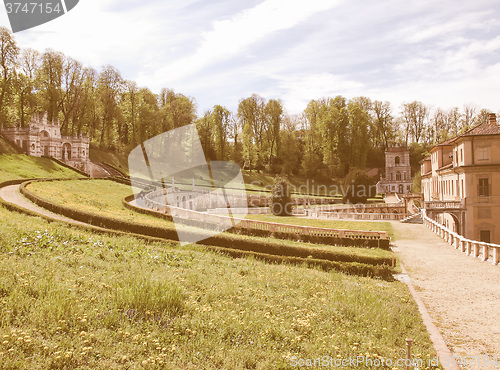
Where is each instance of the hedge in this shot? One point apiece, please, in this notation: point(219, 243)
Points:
point(348, 267)
point(347, 242)
point(220, 240)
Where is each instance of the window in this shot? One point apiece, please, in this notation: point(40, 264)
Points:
point(483, 153)
point(485, 236)
point(461, 155)
point(396, 161)
point(398, 176)
point(484, 187)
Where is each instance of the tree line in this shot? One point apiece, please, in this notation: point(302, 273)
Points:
point(330, 137)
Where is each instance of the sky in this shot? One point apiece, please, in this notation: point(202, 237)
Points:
point(444, 53)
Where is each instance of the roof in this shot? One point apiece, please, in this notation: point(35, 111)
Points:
point(449, 141)
point(483, 129)
point(446, 167)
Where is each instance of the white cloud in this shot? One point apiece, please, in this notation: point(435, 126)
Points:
point(230, 37)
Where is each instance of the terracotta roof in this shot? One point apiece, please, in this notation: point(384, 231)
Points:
point(449, 141)
point(479, 130)
point(484, 129)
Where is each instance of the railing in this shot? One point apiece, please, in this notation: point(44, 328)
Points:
point(444, 205)
point(355, 208)
point(357, 216)
point(485, 251)
point(262, 225)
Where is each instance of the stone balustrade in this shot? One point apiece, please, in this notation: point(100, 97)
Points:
point(477, 249)
point(356, 216)
point(212, 219)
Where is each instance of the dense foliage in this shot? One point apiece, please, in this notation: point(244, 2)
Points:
point(358, 187)
point(281, 202)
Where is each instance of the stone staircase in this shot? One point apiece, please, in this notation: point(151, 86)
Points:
point(413, 219)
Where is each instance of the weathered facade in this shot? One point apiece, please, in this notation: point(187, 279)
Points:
point(461, 183)
point(43, 138)
point(397, 178)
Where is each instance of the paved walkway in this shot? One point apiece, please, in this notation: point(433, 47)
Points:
point(461, 293)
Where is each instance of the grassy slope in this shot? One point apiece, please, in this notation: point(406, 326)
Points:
point(20, 166)
point(6, 147)
point(104, 197)
point(109, 157)
point(71, 299)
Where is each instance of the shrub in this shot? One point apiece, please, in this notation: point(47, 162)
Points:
point(281, 200)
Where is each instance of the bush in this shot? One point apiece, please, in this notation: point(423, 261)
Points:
point(281, 199)
point(358, 187)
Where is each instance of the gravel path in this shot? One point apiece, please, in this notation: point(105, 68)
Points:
point(12, 194)
point(461, 293)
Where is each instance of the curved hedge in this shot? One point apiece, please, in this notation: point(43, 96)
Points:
point(346, 242)
point(220, 240)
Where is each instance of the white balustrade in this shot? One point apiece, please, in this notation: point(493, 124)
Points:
point(489, 251)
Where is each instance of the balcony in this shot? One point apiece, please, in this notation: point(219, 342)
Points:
point(443, 205)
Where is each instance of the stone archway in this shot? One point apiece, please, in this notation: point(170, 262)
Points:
point(456, 220)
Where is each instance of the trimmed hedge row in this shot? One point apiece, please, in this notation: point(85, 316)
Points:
point(346, 242)
point(221, 240)
point(350, 268)
point(267, 247)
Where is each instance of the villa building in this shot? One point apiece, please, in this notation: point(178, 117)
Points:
point(43, 138)
point(397, 177)
point(461, 183)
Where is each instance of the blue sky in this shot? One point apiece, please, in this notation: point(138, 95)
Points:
point(443, 53)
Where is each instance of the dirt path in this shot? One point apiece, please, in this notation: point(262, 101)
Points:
point(11, 194)
point(461, 293)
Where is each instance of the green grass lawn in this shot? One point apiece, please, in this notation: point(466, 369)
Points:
point(6, 147)
point(20, 166)
point(104, 197)
point(331, 224)
point(74, 299)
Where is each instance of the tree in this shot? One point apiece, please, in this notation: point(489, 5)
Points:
point(248, 116)
point(384, 130)
point(274, 116)
point(9, 52)
point(49, 78)
point(290, 147)
point(220, 127)
point(110, 84)
point(72, 90)
point(414, 115)
point(359, 124)
point(281, 202)
point(26, 101)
